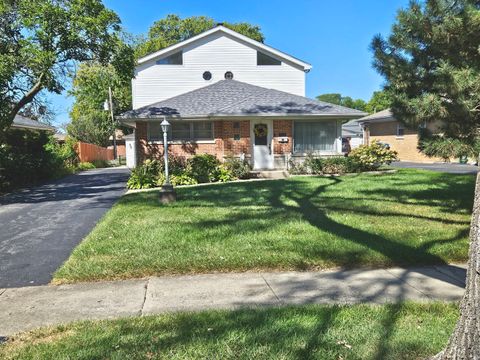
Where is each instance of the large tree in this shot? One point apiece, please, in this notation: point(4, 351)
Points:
point(431, 63)
point(89, 120)
point(347, 101)
point(40, 42)
point(173, 29)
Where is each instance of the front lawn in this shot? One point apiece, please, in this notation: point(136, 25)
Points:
point(408, 331)
point(408, 218)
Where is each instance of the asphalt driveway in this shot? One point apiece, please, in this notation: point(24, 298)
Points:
point(41, 226)
point(453, 168)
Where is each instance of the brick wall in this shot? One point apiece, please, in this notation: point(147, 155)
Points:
point(406, 146)
point(226, 142)
point(282, 128)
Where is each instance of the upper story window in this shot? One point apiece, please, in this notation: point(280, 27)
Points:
point(264, 59)
point(174, 59)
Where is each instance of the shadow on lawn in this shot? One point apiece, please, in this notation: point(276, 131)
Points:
point(286, 198)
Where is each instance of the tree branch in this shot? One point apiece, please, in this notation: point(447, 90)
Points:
point(28, 97)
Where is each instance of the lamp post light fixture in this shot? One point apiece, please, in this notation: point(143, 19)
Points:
point(167, 193)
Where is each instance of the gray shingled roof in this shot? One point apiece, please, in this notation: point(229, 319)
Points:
point(381, 115)
point(352, 128)
point(22, 122)
point(235, 98)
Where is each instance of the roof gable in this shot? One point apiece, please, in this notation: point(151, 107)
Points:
point(233, 34)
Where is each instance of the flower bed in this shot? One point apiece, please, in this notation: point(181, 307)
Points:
point(196, 170)
point(364, 158)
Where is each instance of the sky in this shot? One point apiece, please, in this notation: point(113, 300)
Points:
point(332, 35)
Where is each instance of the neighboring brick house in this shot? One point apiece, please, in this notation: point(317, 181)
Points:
point(228, 95)
point(383, 127)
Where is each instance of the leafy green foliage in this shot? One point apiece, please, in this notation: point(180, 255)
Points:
point(85, 166)
point(89, 121)
point(144, 176)
point(380, 100)
point(173, 29)
point(40, 42)
point(201, 168)
point(346, 101)
point(332, 165)
point(444, 147)
point(431, 65)
point(371, 157)
point(239, 168)
point(30, 157)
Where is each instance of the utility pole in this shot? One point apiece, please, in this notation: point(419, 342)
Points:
point(110, 106)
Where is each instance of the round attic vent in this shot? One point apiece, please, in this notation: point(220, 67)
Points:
point(207, 75)
point(228, 75)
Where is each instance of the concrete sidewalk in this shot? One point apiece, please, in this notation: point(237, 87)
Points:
point(31, 307)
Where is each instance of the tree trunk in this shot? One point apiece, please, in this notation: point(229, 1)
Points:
point(464, 343)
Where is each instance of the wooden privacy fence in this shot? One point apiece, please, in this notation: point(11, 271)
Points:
point(90, 152)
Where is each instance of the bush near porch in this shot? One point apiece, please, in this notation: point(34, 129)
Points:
point(407, 218)
point(196, 170)
point(364, 158)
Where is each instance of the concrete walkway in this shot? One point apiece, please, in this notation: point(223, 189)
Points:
point(30, 307)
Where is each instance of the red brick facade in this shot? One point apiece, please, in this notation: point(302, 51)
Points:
point(232, 138)
point(282, 129)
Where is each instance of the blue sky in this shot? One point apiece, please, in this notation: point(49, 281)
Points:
point(332, 35)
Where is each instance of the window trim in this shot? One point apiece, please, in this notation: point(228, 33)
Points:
point(184, 141)
point(165, 57)
point(262, 53)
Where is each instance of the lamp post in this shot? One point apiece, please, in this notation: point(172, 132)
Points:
point(165, 126)
point(167, 193)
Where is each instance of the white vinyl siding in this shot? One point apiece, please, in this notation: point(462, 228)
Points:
point(182, 131)
point(315, 137)
point(217, 53)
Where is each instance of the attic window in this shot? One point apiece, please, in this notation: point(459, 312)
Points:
point(228, 75)
point(174, 59)
point(264, 59)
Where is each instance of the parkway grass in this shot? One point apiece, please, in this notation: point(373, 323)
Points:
point(408, 218)
point(404, 331)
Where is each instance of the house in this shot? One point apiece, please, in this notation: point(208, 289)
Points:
point(23, 123)
point(383, 127)
point(352, 132)
point(228, 95)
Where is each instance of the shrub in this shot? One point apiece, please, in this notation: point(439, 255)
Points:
point(144, 176)
point(177, 179)
point(85, 166)
point(203, 168)
point(371, 157)
point(240, 169)
point(224, 174)
point(101, 163)
point(30, 157)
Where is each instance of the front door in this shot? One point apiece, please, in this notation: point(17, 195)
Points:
point(262, 135)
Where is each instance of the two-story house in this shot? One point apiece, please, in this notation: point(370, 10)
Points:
point(228, 95)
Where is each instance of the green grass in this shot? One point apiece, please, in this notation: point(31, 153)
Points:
point(407, 331)
point(407, 218)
